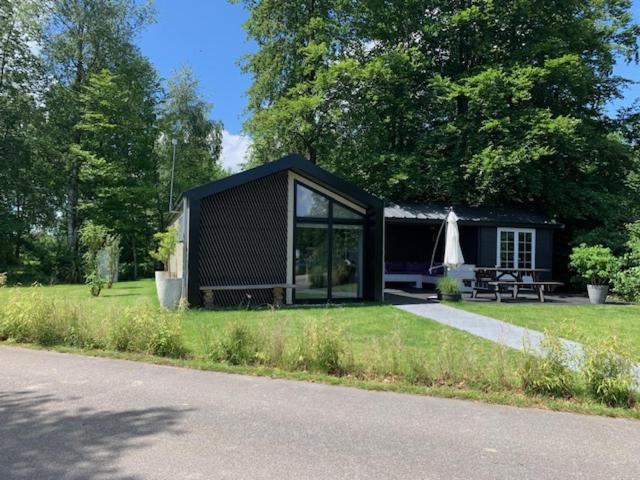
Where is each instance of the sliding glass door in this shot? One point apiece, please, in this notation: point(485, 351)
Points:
point(346, 261)
point(328, 247)
point(312, 257)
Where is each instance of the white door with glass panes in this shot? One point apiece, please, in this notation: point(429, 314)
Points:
point(516, 248)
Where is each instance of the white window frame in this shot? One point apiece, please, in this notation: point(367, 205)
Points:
point(516, 246)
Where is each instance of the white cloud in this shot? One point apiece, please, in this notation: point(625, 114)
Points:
point(234, 150)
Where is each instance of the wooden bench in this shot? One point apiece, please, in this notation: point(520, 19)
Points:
point(500, 286)
point(278, 291)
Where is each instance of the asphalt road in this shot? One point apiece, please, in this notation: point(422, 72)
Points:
point(74, 417)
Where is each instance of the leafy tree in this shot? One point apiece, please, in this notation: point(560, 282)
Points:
point(93, 237)
point(297, 43)
point(118, 167)
point(184, 116)
point(83, 37)
point(477, 102)
point(27, 191)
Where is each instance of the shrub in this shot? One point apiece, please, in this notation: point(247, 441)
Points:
point(595, 265)
point(550, 374)
point(626, 284)
point(609, 374)
point(448, 286)
point(3, 279)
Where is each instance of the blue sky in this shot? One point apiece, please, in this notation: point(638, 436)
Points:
point(208, 36)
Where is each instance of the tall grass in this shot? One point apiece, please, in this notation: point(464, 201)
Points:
point(31, 317)
point(326, 346)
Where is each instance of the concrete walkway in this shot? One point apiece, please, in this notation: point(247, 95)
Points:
point(497, 331)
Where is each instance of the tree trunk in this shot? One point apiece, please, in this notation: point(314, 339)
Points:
point(135, 258)
point(313, 154)
point(74, 174)
point(72, 214)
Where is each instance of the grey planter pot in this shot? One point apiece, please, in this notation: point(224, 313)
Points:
point(169, 290)
point(450, 297)
point(597, 293)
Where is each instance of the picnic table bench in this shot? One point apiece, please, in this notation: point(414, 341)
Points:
point(538, 287)
point(499, 280)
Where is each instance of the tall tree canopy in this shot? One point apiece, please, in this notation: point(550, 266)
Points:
point(465, 101)
point(85, 130)
point(82, 38)
point(184, 116)
point(27, 191)
point(118, 167)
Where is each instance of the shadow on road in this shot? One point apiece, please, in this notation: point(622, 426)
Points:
point(41, 439)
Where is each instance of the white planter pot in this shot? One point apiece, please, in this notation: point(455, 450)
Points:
point(169, 290)
point(598, 293)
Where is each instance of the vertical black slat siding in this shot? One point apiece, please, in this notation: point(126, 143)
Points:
point(243, 238)
point(487, 248)
point(544, 251)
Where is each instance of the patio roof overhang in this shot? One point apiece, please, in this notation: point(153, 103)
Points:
point(435, 214)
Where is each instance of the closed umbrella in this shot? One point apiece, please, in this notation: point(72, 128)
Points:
point(452, 252)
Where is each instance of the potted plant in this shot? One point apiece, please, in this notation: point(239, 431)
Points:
point(597, 266)
point(449, 289)
point(168, 287)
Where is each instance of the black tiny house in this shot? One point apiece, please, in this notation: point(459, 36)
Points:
point(286, 231)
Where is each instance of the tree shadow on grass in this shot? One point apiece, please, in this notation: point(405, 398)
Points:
point(41, 440)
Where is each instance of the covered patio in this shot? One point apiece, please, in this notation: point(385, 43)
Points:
point(406, 295)
point(489, 237)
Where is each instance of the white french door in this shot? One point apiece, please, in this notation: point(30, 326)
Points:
point(516, 248)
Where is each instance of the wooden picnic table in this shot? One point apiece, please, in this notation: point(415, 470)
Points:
point(498, 280)
point(538, 287)
point(498, 273)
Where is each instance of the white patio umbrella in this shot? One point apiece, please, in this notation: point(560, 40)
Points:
point(452, 252)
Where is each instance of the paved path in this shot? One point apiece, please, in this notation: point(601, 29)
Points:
point(495, 330)
point(74, 417)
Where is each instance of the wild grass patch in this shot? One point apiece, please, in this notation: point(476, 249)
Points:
point(31, 317)
point(373, 347)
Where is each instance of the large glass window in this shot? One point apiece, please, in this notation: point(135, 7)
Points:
point(328, 246)
point(516, 248)
point(310, 203)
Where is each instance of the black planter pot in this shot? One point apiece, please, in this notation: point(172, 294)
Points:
point(450, 297)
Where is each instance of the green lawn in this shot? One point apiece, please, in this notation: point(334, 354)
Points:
point(362, 323)
point(584, 323)
point(122, 295)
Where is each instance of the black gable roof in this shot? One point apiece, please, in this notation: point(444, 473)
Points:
point(297, 164)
